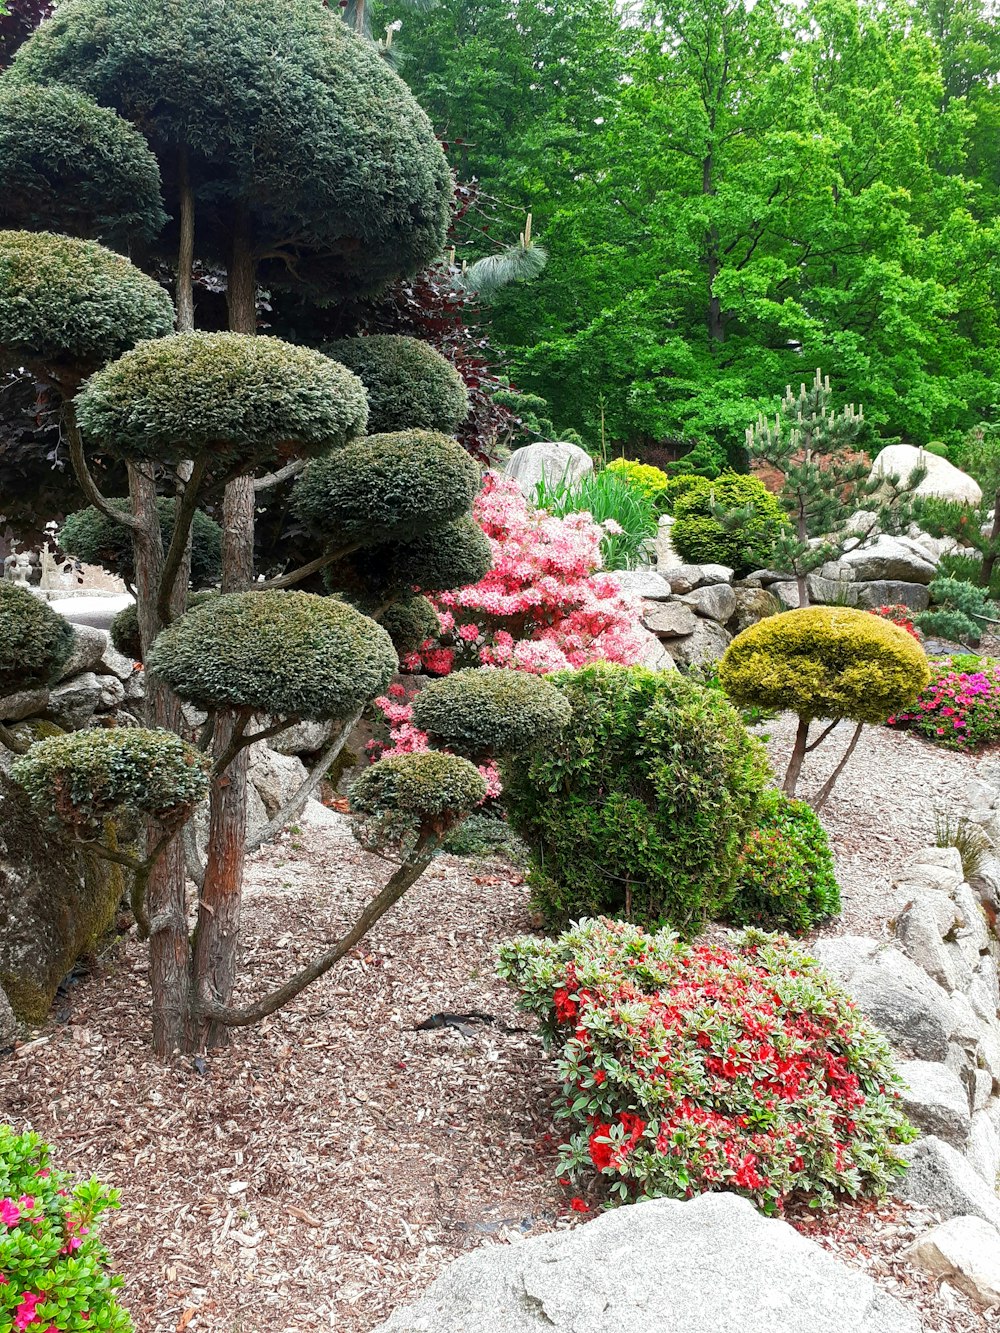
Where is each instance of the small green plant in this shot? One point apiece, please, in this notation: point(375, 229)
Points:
point(485, 837)
point(785, 879)
point(959, 610)
point(650, 480)
point(732, 521)
point(35, 641)
point(973, 843)
point(626, 510)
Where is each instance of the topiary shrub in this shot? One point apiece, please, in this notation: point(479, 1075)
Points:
point(286, 654)
point(232, 396)
point(488, 711)
point(64, 300)
point(54, 1265)
point(685, 1069)
point(643, 803)
point(92, 537)
point(650, 480)
point(410, 624)
point(124, 630)
point(785, 879)
point(824, 662)
point(73, 166)
point(387, 487)
point(35, 641)
point(83, 777)
point(427, 785)
point(732, 521)
point(409, 384)
point(451, 557)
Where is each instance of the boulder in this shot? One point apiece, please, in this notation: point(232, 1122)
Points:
point(75, 702)
point(53, 906)
point(302, 738)
point(763, 578)
point(965, 1253)
point(669, 620)
point(707, 644)
point(837, 571)
point(887, 558)
point(943, 479)
point(112, 692)
point(114, 663)
point(942, 1179)
point(898, 996)
point(787, 594)
point(88, 649)
point(656, 657)
point(317, 815)
point(935, 1100)
point(709, 1265)
point(918, 929)
point(892, 592)
point(25, 703)
point(715, 601)
point(983, 1148)
point(275, 776)
point(551, 461)
point(824, 591)
point(685, 578)
point(644, 583)
point(752, 605)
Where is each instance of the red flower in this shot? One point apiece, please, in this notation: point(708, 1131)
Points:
point(578, 1205)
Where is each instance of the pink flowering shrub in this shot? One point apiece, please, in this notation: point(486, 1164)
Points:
point(53, 1274)
point(686, 1068)
point(958, 709)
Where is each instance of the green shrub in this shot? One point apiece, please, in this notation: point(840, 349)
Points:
point(124, 632)
point(286, 654)
point(410, 623)
point(229, 395)
point(409, 384)
point(678, 486)
point(487, 711)
point(606, 496)
point(69, 165)
point(454, 556)
point(643, 803)
point(54, 1266)
point(732, 521)
point(937, 447)
point(427, 785)
point(737, 1066)
point(386, 487)
point(653, 483)
point(958, 610)
point(484, 837)
point(825, 661)
point(64, 300)
point(92, 537)
point(35, 641)
point(84, 776)
point(785, 879)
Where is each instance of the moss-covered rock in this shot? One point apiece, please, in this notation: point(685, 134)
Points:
point(35, 641)
point(409, 384)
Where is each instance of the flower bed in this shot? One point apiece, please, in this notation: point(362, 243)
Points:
point(735, 1067)
point(958, 709)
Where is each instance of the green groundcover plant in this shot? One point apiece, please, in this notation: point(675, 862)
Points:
point(53, 1267)
point(691, 1068)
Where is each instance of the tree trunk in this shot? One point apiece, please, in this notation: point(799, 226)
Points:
point(803, 536)
point(990, 554)
point(798, 755)
point(217, 935)
point(185, 249)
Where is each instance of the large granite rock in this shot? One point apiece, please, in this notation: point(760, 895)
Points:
point(711, 1265)
point(89, 645)
point(669, 620)
point(889, 558)
point(551, 461)
point(276, 777)
point(24, 703)
point(715, 601)
point(705, 645)
point(646, 583)
point(53, 906)
point(943, 478)
point(685, 578)
point(752, 605)
point(892, 592)
point(942, 1179)
point(75, 702)
point(965, 1253)
point(935, 1100)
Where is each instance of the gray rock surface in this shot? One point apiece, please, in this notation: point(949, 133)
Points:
point(275, 776)
point(890, 592)
point(715, 601)
point(88, 649)
point(302, 738)
point(707, 644)
point(710, 1265)
point(935, 1100)
point(551, 461)
point(669, 620)
point(888, 558)
point(983, 1150)
point(685, 578)
point(24, 703)
point(10, 1028)
point(752, 605)
point(943, 478)
point(964, 1252)
point(114, 663)
point(644, 583)
point(943, 1180)
point(75, 702)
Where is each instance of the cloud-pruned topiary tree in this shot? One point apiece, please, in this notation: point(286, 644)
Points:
point(409, 383)
point(35, 641)
point(91, 536)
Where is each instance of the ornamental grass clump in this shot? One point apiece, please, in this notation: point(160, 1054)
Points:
point(691, 1068)
point(409, 384)
point(959, 709)
point(642, 805)
point(53, 1267)
point(35, 641)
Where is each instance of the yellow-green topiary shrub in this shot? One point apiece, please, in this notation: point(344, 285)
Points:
point(824, 662)
point(648, 479)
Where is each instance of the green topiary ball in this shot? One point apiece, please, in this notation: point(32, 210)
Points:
point(76, 167)
point(85, 776)
point(409, 384)
point(35, 641)
point(741, 534)
point(92, 537)
point(410, 624)
point(428, 785)
point(485, 711)
point(785, 879)
point(450, 557)
point(124, 632)
point(642, 805)
point(825, 661)
point(229, 395)
point(286, 654)
point(387, 487)
point(70, 302)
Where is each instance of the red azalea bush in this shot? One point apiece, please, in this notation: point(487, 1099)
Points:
point(899, 614)
point(689, 1068)
point(53, 1275)
point(958, 709)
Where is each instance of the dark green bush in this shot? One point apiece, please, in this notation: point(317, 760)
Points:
point(229, 395)
point(75, 167)
point(69, 301)
point(85, 776)
point(92, 537)
point(732, 521)
point(484, 837)
point(486, 711)
point(408, 624)
point(450, 557)
point(409, 384)
point(125, 632)
point(286, 654)
point(386, 487)
point(958, 610)
point(35, 641)
point(642, 805)
point(785, 880)
point(424, 785)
